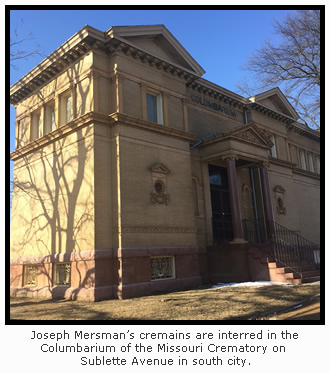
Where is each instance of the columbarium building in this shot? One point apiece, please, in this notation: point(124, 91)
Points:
point(134, 175)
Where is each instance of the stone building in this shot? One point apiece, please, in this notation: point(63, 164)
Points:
point(134, 175)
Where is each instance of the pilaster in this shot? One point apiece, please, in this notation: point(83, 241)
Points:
point(94, 80)
point(165, 109)
point(185, 115)
point(144, 101)
point(119, 94)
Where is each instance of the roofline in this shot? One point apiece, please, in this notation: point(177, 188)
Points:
point(275, 90)
point(73, 41)
point(113, 32)
point(83, 41)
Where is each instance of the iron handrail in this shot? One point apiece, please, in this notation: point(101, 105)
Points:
point(281, 244)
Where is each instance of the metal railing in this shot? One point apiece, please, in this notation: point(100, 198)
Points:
point(281, 244)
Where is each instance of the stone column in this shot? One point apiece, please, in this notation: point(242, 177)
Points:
point(267, 200)
point(234, 202)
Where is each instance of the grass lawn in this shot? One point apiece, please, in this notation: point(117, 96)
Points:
point(224, 303)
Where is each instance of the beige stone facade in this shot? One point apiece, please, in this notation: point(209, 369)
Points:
point(130, 168)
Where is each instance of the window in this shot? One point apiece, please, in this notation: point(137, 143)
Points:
point(36, 126)
point(302, 159)
point(310, 162)
point(154, 108)
point(30, 275)
point(50, 117)
point(162, 267)
point(272, 150)
point(66, 108)
point(63, 274)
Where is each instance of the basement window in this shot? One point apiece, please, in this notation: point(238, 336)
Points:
point(162, 267)
point(30, 275)
point(63, 274)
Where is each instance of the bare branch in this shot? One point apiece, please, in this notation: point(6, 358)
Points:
point(294, 63)
point(17, 52)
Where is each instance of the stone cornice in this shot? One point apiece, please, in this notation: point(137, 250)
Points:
point(300, 171)
point(161, 33)
point(78, 45)
point(248, 133)
point(91, 117)
point(216, 92)
point(271, 113)
point(304, 131)
point(150, 126)
point(69, 52)
point(59, 133)
point(282, 162)
point(123, 47)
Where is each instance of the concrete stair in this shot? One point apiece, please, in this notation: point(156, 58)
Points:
point(279, 273)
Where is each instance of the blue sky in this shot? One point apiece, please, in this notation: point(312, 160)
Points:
point(219, 40)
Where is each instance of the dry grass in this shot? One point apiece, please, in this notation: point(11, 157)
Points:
point(227, 303)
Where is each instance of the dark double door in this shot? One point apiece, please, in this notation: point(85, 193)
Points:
point(221, 212)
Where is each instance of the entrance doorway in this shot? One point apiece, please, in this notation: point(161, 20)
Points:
point(221, 212)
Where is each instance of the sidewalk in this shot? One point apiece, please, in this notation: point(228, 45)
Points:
point(308, 310)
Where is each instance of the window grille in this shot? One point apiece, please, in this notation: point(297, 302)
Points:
point(31, 275)
point(63, 274)
point(162, 267)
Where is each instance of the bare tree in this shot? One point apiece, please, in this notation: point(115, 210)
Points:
point(293, 64)
point(17, 50)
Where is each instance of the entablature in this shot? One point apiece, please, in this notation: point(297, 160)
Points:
point(302, 130)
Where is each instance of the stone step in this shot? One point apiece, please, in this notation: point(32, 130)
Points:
point(293, 281)
point(307, 280)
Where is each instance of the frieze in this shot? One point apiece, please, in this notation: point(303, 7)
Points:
point(250, 136)
point(212, 105)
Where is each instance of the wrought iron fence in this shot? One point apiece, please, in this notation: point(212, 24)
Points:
point(281, 244)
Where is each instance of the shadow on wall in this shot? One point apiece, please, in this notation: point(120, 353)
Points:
point(52, 201)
